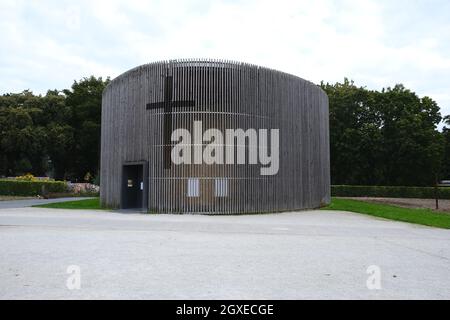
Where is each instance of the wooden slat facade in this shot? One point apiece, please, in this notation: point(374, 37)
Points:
point(227, 95)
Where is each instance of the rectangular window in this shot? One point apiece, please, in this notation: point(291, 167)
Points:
point(221, 188)
point(193, 187)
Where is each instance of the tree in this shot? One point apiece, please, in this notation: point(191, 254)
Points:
point(383, 138)
point(355, 138)
point(445, 173)
point(57, 117)
point(413, 147)
point(22, 137)
point(59, 131)
point(85, 100)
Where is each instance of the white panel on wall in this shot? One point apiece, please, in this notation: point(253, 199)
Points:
point(221, 187)
point(193, 187)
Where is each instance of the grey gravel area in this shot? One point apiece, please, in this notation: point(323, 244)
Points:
point(298, 255)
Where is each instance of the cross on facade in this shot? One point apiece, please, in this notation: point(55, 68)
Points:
point(167, 106)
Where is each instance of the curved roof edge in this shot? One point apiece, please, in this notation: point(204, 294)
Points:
point(206, 62)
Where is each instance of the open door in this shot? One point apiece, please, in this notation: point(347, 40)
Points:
point(134, 187)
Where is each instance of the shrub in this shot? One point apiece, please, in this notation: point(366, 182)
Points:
point(96, 180)
point(84, 189)
point(10, 187)
point(88, 177)
point(389, 192)
point(26, 177)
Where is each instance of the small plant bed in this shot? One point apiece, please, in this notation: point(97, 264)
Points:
point(86, 204)
point(425, 217)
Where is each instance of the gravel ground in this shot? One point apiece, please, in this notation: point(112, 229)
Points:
point(444, 205)
point(297, 255)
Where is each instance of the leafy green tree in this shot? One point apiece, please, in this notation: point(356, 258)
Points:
point(22, 140)
point(355, 137)
point(413, 147)
point(383, 138)
point(446, 161)
point(59, 131)
point(60, 134)
point(85, 102)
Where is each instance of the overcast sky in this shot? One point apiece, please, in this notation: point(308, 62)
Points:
point(48, 44)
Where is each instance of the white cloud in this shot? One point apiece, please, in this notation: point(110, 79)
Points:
point(376, 43)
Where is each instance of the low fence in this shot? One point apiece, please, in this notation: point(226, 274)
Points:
point(390, 192)
point(9, 187)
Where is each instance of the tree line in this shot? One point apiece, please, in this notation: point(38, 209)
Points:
point(55, 134)
point(386, 137)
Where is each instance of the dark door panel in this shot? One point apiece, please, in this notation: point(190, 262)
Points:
point(132, 187)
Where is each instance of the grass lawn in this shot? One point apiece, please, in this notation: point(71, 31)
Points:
point(425, 217)
point(93, 204)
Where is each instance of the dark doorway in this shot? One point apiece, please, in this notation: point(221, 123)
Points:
point(134, 187)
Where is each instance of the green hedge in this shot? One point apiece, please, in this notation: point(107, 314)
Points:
point(30, 188)
point(390, 192)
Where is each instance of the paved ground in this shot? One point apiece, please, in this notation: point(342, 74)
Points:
point(313, 254)
point(444, 205)
point(8, 204)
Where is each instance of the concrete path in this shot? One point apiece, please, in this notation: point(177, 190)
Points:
point(9, 204)
point(300, 255)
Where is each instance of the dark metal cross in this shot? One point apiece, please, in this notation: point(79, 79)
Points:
point(167, 106)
